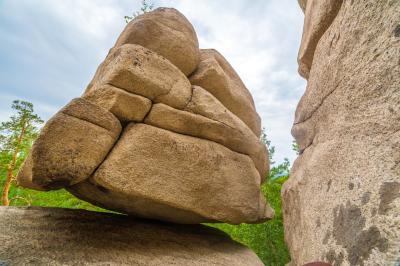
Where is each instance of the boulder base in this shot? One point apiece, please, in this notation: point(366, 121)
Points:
point(51, 236)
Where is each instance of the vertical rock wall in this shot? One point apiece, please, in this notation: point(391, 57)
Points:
point(341, 204)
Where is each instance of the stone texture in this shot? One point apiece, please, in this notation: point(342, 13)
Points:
point(194, 155)
point(140, 71)
point(319, 15)
point(303, 4)
point(155, 173)
point(205, 117)
point(70, 146)
point(217, 76)
point(124, 105)
point(167, 32)
point(50, 236)
point(341, 202)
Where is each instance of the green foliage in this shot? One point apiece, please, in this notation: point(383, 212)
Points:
point(59, 198)
point(24, 124)
point(266, 239)
point(271, 149)
point(295, 147)
point(16, 137)
point(145, 7)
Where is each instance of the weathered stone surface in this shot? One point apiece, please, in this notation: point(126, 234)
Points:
point(319, 15)
point(205, 117)
point(50, 236)
point(124, 105)
point(195, 154)
point(341, 202)
point(217, 76)
point(140, 71)
point(303, 4)
point(70, 147)
point(24, 177)
point(167, 32)
point(155, 173)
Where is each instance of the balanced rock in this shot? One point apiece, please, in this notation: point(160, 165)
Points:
point(50, 236)
point(186, 154)
point(342, 200)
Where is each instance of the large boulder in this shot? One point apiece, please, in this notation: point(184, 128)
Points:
point(155, 173)
point(194, 156)
point(168, 33)
point(342, 201)
point(217, 76)
point(72, 144)
point(50, 236)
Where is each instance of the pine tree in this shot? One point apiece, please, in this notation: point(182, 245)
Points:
point(16, 138)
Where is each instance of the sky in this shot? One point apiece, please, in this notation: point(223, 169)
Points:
point(50, 49)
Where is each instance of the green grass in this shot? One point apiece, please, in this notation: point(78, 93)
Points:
point(57, 198)
point(265, 239)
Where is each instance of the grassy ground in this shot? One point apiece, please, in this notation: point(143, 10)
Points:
point(266, 239)
point(58, 198)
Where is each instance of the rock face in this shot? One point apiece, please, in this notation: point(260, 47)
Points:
point(341, 203)
point(166, 32)
point(139, 71)
point(217, 76)
point(124, 105)
point(70, 146)
point(318, 17)
point(205, 117)
point(42, 236)
point(135, 171)
point(146, 141)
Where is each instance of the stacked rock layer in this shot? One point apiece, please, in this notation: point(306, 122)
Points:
point(164, 130)
point(342, 201)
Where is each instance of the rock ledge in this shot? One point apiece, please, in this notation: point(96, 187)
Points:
point(52, 236)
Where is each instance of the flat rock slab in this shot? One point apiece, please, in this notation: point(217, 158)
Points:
point(51, 236)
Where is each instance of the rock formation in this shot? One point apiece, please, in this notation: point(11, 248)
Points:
point(342, 201)
point(163, 131)
point(47, 236)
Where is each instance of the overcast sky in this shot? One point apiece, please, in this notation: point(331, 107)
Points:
point(50, 49)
